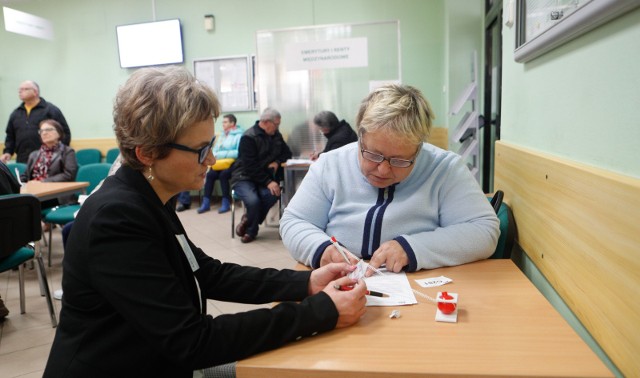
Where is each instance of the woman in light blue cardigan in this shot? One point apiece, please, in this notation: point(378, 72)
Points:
point(225, 148)
point(391, 198)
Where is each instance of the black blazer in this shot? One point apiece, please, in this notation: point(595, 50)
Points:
point(131, 305)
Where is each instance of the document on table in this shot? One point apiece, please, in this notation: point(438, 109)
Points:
point(395, 285)
point(299, 161)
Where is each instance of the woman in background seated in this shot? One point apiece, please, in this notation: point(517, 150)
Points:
point(338, 133)
point(135, 286)
point(53, 162)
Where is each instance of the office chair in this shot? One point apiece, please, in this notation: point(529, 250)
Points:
point(112, 155)
point(508, 229)
point(20, 226)
point(88, 156)
point(22, 167)
point(94, 174)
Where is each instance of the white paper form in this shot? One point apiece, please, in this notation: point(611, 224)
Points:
point(396, 285)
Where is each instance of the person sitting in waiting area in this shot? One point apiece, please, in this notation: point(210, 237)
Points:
point(338, 133)
point(135, 286)
point(391, 198)
point(257, 172)
point(53, 162)
point(225, 151)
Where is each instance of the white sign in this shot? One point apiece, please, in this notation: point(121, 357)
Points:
point(339, 53)
point(27, 24)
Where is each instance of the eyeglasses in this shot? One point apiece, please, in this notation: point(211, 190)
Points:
point(202, 152)
point(46, 130)
point(394, 162)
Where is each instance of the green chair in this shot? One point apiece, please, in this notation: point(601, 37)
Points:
point(21, 167)
point(508, 229)
point(94, 174)
point(112, 155)
point(88, 156)
point(19, 227)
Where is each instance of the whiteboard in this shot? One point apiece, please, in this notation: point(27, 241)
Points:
point(229, 78)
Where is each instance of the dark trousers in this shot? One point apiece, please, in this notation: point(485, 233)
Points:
point(184, 198)
point(224, 177)
point(257, 200)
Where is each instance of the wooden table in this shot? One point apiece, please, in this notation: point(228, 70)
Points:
point(48, 190)
point(505, 328)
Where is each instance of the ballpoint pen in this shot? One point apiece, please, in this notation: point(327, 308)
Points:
point(369, 292)
point(334, 241)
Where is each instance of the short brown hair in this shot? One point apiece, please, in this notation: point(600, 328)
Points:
point(156, 105)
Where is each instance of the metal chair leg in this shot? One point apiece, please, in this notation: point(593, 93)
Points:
point(42, 277)
point(233, 214)
point(21, 283)
point(50, 231)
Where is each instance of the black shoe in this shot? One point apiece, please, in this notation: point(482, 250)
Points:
point(4, 311)
point(241, 228)
point(247, 238)
point(182, 207)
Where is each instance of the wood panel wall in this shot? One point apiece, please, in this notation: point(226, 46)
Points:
point(581, 227)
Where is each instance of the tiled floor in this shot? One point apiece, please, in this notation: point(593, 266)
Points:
point(25, 339)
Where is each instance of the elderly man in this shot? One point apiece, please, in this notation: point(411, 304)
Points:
point(22, 129)
point(257, 172)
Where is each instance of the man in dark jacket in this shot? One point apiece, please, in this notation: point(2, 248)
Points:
point(257, 171)
point(338, 133)
point(22, 129)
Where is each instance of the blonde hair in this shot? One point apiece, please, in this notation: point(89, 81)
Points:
point(154, 106)
point(400, 110)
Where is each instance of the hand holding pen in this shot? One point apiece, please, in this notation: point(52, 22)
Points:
point(336, 253)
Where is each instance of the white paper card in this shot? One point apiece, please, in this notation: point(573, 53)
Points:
point(433, 281)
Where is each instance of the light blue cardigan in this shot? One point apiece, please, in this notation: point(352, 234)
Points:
point(438, 214)
point(227, 146)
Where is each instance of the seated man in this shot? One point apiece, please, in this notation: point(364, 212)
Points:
point(257, 172)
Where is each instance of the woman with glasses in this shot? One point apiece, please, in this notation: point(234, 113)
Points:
point(135, 286)
point(391, 198)
point(53, 161)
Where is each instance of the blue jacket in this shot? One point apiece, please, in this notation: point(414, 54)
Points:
point(438, 214)
point(226, 146)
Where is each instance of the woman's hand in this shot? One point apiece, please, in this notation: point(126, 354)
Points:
point(351, 304)
point(392, 255)
point(331, 255)
point(323, 276)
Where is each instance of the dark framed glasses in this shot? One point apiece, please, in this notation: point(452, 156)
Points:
point(394, 162)
point(202, 152)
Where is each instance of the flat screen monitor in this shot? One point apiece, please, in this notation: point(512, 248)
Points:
point(150, 43)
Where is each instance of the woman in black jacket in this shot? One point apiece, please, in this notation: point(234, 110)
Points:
point(135, 286)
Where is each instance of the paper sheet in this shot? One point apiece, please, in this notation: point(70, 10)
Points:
point(396, 285)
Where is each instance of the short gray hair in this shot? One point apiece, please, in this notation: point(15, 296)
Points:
point(269, 114)
point(326, 119)
point(400, 110)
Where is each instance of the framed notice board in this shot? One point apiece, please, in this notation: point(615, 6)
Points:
point(543, 25)
point(230, 79)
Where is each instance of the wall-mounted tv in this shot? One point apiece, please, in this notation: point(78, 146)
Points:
point(150, 43)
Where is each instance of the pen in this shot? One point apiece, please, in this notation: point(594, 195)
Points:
point(334, 241)
point(369, 292)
